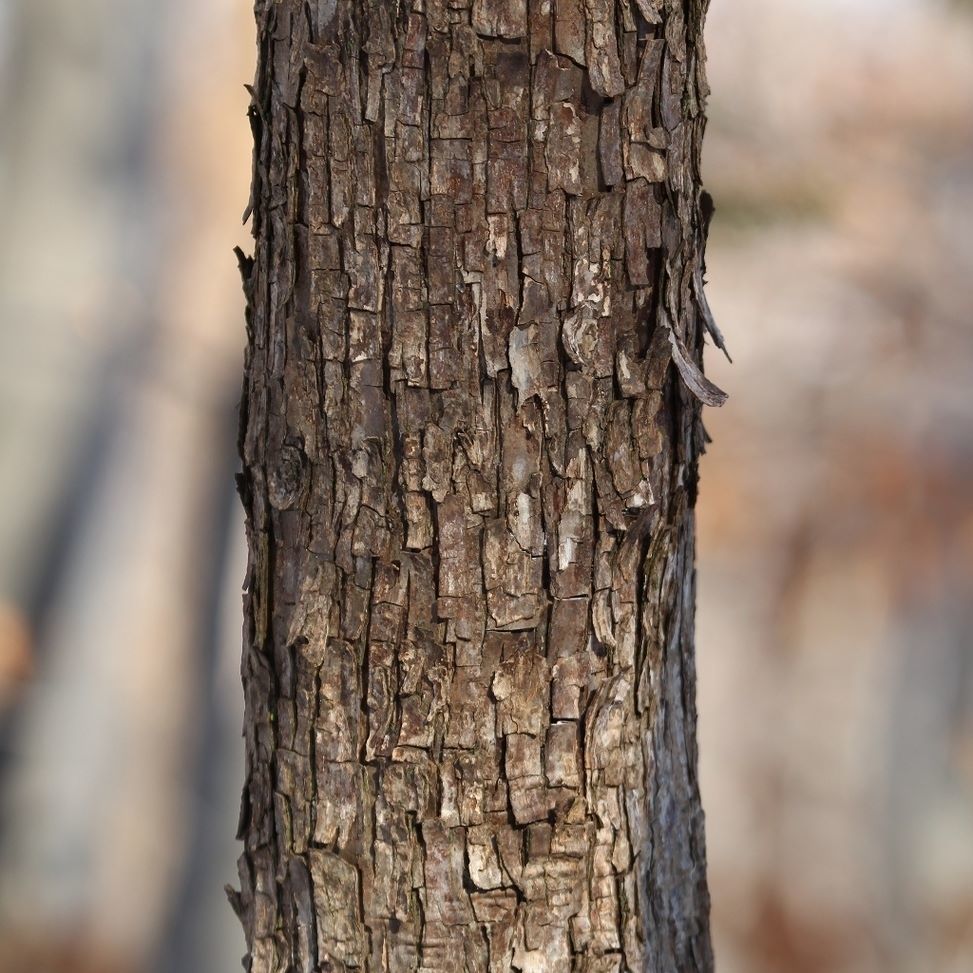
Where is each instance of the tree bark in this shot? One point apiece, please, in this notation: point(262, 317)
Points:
point(469, 474)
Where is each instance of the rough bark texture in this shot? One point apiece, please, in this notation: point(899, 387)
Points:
point(469, 472)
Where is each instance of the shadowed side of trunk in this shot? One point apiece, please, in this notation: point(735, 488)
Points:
point(469, 473)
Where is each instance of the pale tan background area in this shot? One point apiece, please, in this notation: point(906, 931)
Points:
point(836, 542)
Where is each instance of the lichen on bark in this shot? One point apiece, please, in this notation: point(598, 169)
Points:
point(470, 435)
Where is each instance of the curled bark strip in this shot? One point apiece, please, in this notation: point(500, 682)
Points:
point(706, 391)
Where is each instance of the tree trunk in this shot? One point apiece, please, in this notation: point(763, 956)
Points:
point(469, 473)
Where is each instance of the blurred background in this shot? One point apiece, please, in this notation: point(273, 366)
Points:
point(836, 541)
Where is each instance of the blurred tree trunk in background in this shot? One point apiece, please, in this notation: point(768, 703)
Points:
point(120, 345)
point(469, 474)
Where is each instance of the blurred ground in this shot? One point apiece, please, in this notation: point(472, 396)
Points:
point(836, 542)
